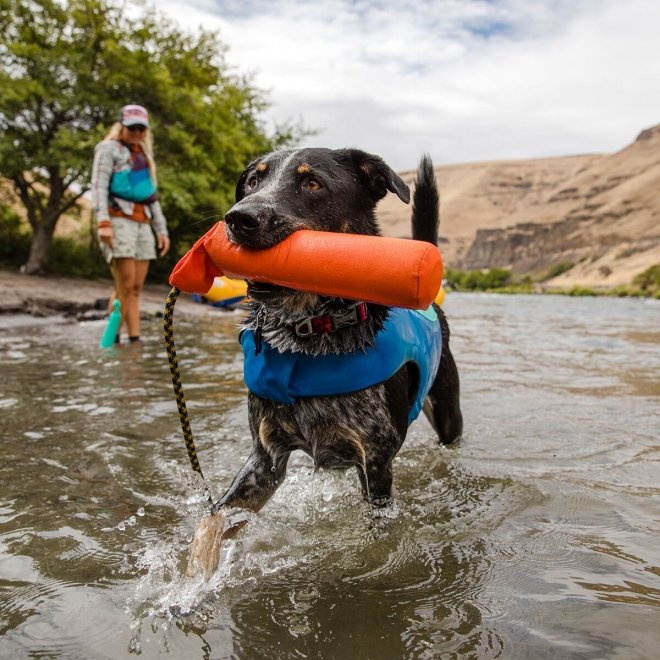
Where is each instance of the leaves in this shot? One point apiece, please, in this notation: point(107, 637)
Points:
point(65, 70)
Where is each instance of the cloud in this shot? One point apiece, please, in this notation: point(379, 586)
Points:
point(464, 80)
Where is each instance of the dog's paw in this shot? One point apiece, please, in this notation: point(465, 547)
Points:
point(205, 550)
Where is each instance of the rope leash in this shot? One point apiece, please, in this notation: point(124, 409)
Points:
point(168, 333)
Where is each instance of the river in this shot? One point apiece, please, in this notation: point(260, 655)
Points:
point(537, 536)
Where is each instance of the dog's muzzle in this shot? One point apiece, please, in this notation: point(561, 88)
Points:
point(253, 225)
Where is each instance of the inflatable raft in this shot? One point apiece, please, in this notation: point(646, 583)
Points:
point(225, 292)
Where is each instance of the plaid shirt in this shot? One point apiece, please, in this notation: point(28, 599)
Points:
point(112, 156)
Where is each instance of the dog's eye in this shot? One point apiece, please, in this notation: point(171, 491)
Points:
point(312, 184)
point(252, 183)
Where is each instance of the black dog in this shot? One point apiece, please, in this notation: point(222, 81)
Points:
point(327, 190)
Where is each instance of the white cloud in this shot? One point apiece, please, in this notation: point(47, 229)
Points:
point(462, 79)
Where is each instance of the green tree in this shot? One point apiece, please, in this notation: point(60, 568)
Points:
point(477, 280)
point(649, 280)
point(66, 67)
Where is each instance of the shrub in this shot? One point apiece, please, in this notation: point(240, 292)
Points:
point(71, 256)
point(581, 291)
point(14, 239)
point(558, 269)
point(649, 280)
point(476, 280)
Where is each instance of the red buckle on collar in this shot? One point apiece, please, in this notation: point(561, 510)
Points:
point(323, 323)
point(317, 325)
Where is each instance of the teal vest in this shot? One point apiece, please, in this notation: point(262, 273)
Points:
point(408, 336)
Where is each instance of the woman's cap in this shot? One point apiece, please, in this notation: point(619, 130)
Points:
point(134, 115)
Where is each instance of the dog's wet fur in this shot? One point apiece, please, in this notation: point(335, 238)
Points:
point(325, 190)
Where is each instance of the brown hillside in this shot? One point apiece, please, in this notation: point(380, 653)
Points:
point(599, 212)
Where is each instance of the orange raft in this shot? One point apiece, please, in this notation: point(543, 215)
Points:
point(390, 271)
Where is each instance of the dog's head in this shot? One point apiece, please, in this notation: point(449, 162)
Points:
point(319, 189)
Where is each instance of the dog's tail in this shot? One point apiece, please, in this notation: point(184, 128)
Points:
point(426, 203)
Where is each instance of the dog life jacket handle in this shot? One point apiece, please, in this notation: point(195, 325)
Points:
point(168, 333)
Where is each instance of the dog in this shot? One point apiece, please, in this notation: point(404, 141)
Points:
point(336, 191)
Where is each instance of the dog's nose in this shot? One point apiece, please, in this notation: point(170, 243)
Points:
point(245, 220)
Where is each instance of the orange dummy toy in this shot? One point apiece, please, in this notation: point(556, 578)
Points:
point(388, 271)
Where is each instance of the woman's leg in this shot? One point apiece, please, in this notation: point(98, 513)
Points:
point(129, 275)
point(141, 269)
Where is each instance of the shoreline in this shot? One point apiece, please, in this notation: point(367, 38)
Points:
point(74, 299)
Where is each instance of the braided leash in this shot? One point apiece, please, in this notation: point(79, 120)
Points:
point(168, 333)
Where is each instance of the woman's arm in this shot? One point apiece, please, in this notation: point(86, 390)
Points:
point(159, 225)
point(102, 170)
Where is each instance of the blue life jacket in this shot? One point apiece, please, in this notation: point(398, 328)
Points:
point(407, 336)
point(134, 183)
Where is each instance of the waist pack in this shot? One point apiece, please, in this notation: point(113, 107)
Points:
point(133, 185)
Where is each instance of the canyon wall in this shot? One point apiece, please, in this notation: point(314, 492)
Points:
point(597, 216)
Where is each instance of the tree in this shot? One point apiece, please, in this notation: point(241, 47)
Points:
point(65, 70)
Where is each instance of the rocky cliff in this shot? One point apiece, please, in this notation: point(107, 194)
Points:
point(599, 213)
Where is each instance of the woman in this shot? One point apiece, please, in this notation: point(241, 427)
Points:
point(127, 209)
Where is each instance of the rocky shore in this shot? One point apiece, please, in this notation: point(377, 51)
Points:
point(72, 298)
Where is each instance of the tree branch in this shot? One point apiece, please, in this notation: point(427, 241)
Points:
point(30, 199)
point(71, 202)
point(67, 181)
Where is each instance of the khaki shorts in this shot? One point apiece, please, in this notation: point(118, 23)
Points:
point(131, 239)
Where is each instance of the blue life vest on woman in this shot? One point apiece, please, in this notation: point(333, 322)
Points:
point(407, 336)
point(134, 183)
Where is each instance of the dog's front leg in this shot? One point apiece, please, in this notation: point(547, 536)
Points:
point(376, 472)
point(252, 487)
point(376, 482)
point(256, 482)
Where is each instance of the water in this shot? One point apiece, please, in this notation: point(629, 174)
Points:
point(536, 537)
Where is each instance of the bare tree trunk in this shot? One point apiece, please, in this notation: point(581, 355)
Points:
point(43, 219)
point(42, 239)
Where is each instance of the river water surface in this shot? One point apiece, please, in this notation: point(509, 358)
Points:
point(538, 536)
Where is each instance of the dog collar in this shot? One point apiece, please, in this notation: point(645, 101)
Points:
point(331, 322)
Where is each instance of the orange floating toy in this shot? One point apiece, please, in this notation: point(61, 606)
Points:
point(388, 271)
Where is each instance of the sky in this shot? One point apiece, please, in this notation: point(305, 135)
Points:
point(462, 80)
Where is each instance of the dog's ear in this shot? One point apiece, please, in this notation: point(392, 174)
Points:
point(377, 176)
